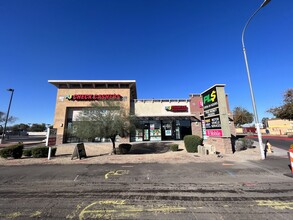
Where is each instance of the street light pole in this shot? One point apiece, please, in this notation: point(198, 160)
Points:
point(7, 115)
point(257, 125)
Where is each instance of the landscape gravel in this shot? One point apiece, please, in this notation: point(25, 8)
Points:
point(151, 152)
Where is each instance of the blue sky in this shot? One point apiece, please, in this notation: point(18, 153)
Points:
point(171, 48)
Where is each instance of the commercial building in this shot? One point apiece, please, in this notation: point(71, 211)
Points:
point(159, 119)
point(74, 95)
point(162, 119)
point(278, 126)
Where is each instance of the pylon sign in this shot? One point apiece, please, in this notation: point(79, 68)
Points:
point(215, 112)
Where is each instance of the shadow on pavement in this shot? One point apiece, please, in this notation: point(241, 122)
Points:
point(150, 148)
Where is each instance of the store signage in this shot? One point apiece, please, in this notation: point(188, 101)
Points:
point(51, 137)
point(211, 112)
point(177, 108)
point(214, 133)
point(93, 97)
point(213, 122)
point(215, 111)
point(210, 99)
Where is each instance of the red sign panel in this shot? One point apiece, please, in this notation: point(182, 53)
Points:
point(177, 108)
point(52, 141)
point(92, 97)
point(214, 133)
point(51, 137)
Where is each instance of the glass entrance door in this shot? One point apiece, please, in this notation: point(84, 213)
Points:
point(177, 132)
point(146, 132)
point(167, 130)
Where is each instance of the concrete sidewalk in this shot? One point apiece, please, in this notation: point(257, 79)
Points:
point(153, 152)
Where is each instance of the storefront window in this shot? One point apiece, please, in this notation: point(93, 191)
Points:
point(155, 131)
point(138, 134)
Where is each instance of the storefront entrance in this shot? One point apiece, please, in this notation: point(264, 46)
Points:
point(167, 130)
point(157, 130)
point(146, 132)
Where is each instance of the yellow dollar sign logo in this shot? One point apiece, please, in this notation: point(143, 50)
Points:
point(213, 96)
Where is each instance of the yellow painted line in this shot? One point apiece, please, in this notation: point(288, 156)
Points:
point(13, 215)
point(275, 204)
point(112, 202)
point(122, 209)
point(116, 173)
point(167, 209)
point(101, 211)
point(36, 214)
point(82, 211)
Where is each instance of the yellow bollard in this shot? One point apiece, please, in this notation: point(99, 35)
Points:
point(290, 155)
point(270, 150)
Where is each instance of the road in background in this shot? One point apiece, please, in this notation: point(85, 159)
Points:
point(27, 140)
point(276, 141)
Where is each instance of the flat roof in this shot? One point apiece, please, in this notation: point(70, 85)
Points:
point(96, 84)
point(162, 100)
point(216, 85)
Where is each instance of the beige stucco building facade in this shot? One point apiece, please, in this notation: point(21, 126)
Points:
point(163, 119)
point(74, 95)
point(158, 119)
point(280, 126)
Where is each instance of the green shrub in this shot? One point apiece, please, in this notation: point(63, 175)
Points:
point(239, 145)
point(27, 152)
point(42, 151)
point(247, 143)
point(53, 152)
point(124, 148)
point(6, 152)
point(14, 151)
point(174, 147)
point(191, 142)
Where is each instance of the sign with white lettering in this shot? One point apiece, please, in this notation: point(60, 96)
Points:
point(215, 112)
point(213, 122)
point(214, 133)
point(211, 112)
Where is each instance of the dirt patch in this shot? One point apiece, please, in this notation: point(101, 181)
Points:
point(151, 152)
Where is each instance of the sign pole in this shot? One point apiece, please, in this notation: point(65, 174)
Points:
point(47, 136)
point(49, 153)
point(51, 140)
point(47, 143)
